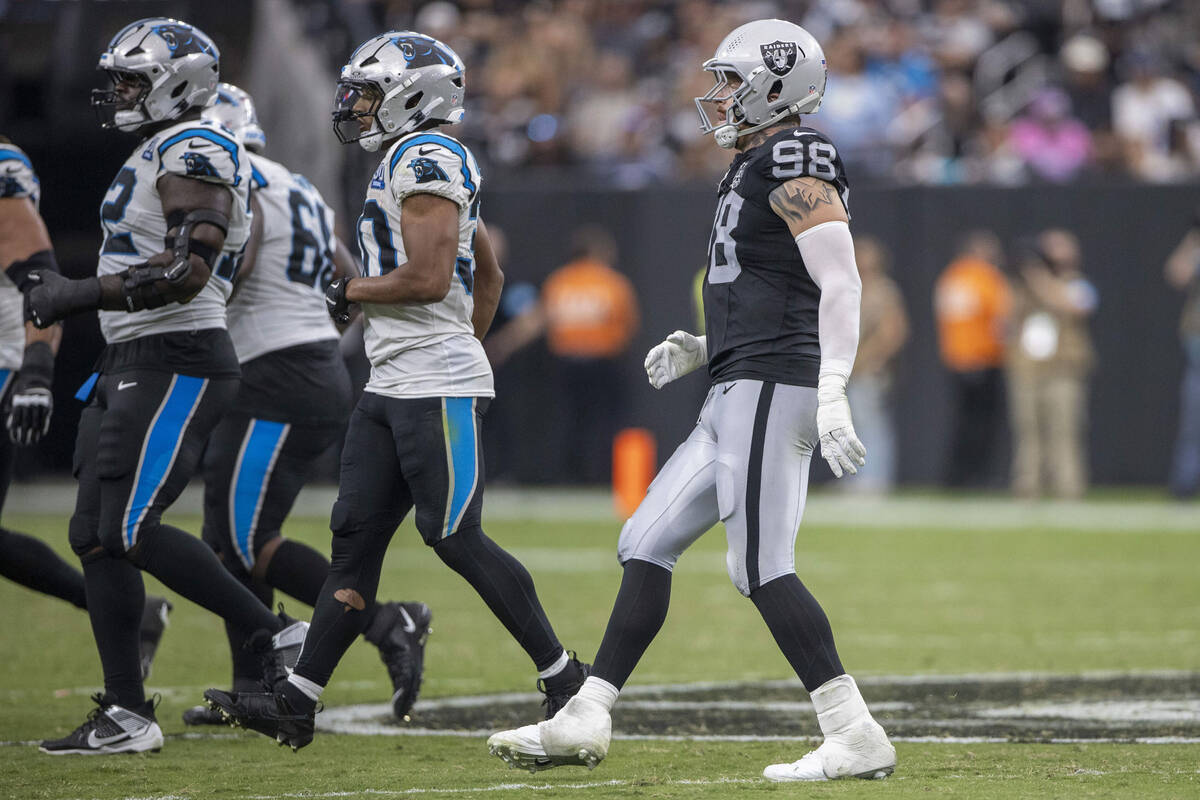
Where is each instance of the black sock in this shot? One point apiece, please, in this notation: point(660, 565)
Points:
point(116, 597)
point(637, 616)
point(800, 628)
point(298, 570)
point(188, 566)
point(507, 588)
point(31, 562)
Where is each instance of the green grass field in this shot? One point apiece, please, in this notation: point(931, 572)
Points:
point(904, 599)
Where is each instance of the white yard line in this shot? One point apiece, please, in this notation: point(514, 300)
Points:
point(823, 508)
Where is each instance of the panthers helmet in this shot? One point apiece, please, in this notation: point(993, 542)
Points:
point(768, 56)
point(233, 108)
point(403, 81)
point(175, 64)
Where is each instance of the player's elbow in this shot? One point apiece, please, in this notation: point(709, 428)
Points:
point(434, 288)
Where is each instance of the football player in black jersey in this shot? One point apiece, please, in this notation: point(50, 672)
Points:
point(781, 307)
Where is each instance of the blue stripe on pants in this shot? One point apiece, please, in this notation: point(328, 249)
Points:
point(458, 416)
point(5, 376)
point(260, 448)
point(160, 448)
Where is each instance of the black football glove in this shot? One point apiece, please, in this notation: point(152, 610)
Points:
point(336, 302)
point(31, 402)
point(53, 297)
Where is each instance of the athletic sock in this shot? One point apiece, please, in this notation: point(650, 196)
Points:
point(31, 562)
point(555, 668)
point(507, 588)
point(298, 570)
point(599, 691)
point(637, 616)
point(800, 628)
point(189, 567)
point(116, 597)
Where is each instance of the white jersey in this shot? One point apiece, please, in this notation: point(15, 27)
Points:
point(17, 179)
point(134, 228)
point(282, 302)
point(423, 350)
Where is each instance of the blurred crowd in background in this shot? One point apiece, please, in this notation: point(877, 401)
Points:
point(920, 91)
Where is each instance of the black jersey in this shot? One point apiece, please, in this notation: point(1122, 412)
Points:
point(760, 305)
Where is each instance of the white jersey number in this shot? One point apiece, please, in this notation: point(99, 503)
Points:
point(723, 266)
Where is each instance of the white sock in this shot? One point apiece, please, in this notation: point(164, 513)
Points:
point(839, 705)
point(599, 691)
point(556, 667)
point(311, 689)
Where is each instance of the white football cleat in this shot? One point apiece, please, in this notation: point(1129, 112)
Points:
point(855, 744)
point(863, 753)
point(578, 735)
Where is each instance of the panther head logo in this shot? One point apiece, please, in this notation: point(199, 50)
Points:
point(182, 40)
point(426, 169)
point(198, 164)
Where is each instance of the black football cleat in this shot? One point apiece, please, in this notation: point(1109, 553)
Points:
point(269, 714)
point(400, 630)
point(279, 652)
point(202, 715)
point(110, 729)
point(563, 686)
point(154, 622)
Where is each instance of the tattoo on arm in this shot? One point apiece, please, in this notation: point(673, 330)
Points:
point(806, 202)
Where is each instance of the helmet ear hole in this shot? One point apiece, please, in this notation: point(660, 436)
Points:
point(412, 101)
point(776, 88)
point(179, 90)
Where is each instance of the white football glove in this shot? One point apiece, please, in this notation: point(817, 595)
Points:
point(839, 444)
point(677, 356)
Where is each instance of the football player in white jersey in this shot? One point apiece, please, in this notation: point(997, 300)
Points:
point(781, 310)
point(26, 373)
point(168, 370)
point(429, 294)
point(292, 405)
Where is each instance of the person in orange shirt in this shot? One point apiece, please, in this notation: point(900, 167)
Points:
point(972, 301)
point(590, 314)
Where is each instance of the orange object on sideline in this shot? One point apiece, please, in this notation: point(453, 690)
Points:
point(635, 457)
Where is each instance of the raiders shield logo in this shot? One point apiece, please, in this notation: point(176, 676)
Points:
point(779, 57)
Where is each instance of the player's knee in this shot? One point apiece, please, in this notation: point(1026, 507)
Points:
point(83, 534)
point(647, 543)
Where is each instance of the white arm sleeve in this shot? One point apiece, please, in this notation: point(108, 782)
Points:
point(828, 253)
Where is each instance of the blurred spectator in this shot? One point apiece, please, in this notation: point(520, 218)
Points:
point(609, 86)
point(884, 330)
point(858, 108)
point(1054, 144)
point(972, 302)
point(1183, 273)
point(591, 314)
point(1143, 109)
point(514, 326)
point(1049, 360)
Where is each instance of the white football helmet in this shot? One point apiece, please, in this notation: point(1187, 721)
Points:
point(403, 81)
point(233, 108)
point(768, 56)
point(175, 64)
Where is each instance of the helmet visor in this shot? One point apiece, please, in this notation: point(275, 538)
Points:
point(128, 91)
point(354, 102)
